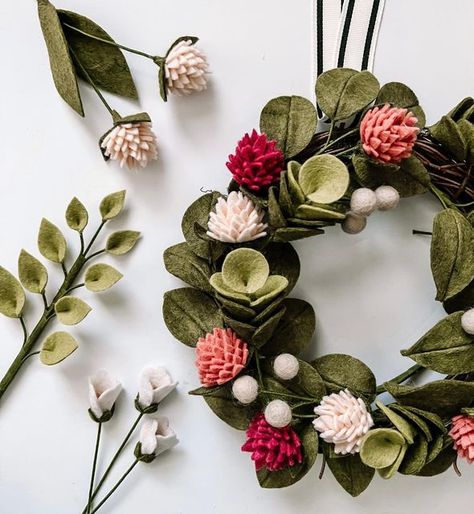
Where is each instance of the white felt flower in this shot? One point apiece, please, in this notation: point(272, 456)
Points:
point(155, 384)
point(104, 390)
point(185, 69)
point(156, 436)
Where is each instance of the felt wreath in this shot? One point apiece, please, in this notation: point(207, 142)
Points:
point(290, 182)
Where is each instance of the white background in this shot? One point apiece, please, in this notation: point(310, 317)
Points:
point(373, 293)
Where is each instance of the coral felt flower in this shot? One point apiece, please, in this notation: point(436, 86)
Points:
point(220, 357)
point(104, 390)
point(462, 433)
point(156, 436)
point(257, 162)
point(155, 384)
point(272, 448)
point(388, 133)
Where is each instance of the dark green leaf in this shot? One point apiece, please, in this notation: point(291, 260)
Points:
point(265, 331)
point(288, 234)
point(283, 260)
point(33, 275)
point(308, 382)
point(415, 457)
point(276, 218)
point(400, 95)
point(447, 132)
point(284, 198)
point(461, 301)
point(351, 473)
point(442, 462)
point(242, 329)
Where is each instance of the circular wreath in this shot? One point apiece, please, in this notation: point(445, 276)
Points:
point(289, 182)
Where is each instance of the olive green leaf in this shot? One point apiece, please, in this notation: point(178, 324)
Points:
point(461, 109)
point(443, 461)
point(57, 347)
point(76, 215)
point(242, 329)
point(190, 314)
point(400, 95)
point(400, 423)
point(447, 132)
point(235, 309)
point(267, 328)
point(452, 248)
point(323, 179)
point(315, 212)
point(287, 234)
point(100, 277)
point(284, 198)
point(112, 205)
point(296, 193)
point(121, 242)
point(274, 285)
point(342, 92)
point(381, 447)
point(276, 218)
point(12, 295)
point(245, 270)
point(51, 242)
point(416, 420)
point(460, 301)
point(389, 471)
point(415, 457)
point(62, 68)
point(181, 262)
point(308, 382)
point(431, 417)
point(283, 260)
point(446, 348)
point(33, 274)
point(291, 121)
point(104, 63)
point(351, 473)
point(71, 310)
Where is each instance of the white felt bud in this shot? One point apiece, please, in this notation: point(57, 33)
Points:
point(387, 198)
point(278, 414)
point(245, 389)
point(286, 366)
point(467, 321)
point(363, 201)
point(353, 223)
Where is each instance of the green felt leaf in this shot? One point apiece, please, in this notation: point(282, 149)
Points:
point(51, 242)
point(62, 68)
point(121, 242)
point(276, 218)
point(57, 347)
point(290, 121)
point(341, 371)
point(400, 423)
point(12, 295)
point(266, 329)
point(274, 285)
point(461, 301)
point(269, 310)
point(32, 273)
point(218, 284)
point(162, 84)
point(235, 309)
point(295, 329)
point(446, 348)
point(467, 131)
point(447, 132)
point(351, 473)
point(459, 110)
point(296, 193)
point(76, 215)
point(245, 270)
point(314, 212)
point(389, 471)
point(71, 310)
point(100, 277)
point(421, 425)
point(415, 457)
point(283, 260)
point(381, 447)
point(324, 179)
point(452, 248)
point(104, 63)
point(112, 205)
point(400, 95)
point(288, 234)
point(432, 418)
point(190, 314)
point(242, 329)
point(284, 198)
point(442, 462)
point(435, 448)
point(308, 382)
point(342, 92)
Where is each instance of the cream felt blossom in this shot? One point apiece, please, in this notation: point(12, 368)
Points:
point(155, 384)
point(104, 390)
point(156, 436)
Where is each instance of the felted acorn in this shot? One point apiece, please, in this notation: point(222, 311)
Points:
point(467, 321)
point(245, 389)
point(278, 414)
point(387, 198)
point(353, 223)
point(286, 366)
point(363, 201)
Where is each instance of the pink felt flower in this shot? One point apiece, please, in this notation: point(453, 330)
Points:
point(257, 163)
point(220, 357)
point(272, 448)
point(462, 433)
point(388, 133)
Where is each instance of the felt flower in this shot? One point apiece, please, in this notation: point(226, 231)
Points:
point(220, 357)
point(272, 448)
point(388, 133)
point(257, 162)
point(343, 420)
point(155, 384)
point(156, 437)
point(133, 144)
point(104, 390)
point(236, 220)
point(462, 433)
point(185, 69)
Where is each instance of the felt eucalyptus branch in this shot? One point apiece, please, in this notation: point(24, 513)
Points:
point(62, 304)
point(79, 48)
point(291, 182)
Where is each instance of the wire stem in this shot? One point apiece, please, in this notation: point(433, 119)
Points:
point(94, 467)
point(25, 330)
point(94, 237)
point(288, 395)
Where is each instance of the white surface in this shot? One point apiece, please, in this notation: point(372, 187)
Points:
point(373, 293)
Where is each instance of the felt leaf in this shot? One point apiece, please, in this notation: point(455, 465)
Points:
point(71, 310)
point(341, 371)
point(112, 205)
point(288, 234)
point(245, 270)
point(218, 284)
point(100, 277)
point(431, 417)
point(324, 179)
point(435, 448)
point(269, 310)
point(415, 457)
point(446, 348)
point(296, 193)
point(452, 248)
point(308, 382)
point(62, 68)
point(283, 260)
point(32, 273)
point(181, 262)
point(266, 329)
point(12, 295)
point(351, 473)
point(442, 462)
point(400, 95)
point(242, 329)
point(461, 301)
point(421, 425)
point(403, 426)
point(284, 198)
point(450, 395)
point(381, 447)
point(237, 310)
point(57, 347)
point(76, 215)
point(295, 329)
point(276, 219)
point(274, 285)
point(121, 242)
point(190, 314)
point(51, 242)
point(229, 410)
point(390, 471)
point(447, 132)
point(342, 92)
point(104, 63)
point(458, 111)
point(290, 121)
point(315, 212)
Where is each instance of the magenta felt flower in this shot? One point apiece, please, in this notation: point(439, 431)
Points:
point(462, 433)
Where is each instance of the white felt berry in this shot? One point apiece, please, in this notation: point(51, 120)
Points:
point(363, 201)
point(286, 366)
point(278, 414)
point(245, 389)
point(467, 321)
point(185, 69)
point(387, 198)
point(353, 223)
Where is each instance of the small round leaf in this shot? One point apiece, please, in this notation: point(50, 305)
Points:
point(12, 296)
point(57, 347)
point(76, 215)
point(112, 205)
point(381, 447)
point(33, 274)
point(100, 277)
point(51, 242)
point(245, 270)
point(121, 242)
point(71, 310)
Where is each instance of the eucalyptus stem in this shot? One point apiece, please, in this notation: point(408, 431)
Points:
point(25, 330)
point(288, 395)
point(94, 467)
point(94, 237)
point(401, 378)
point(337, 140)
